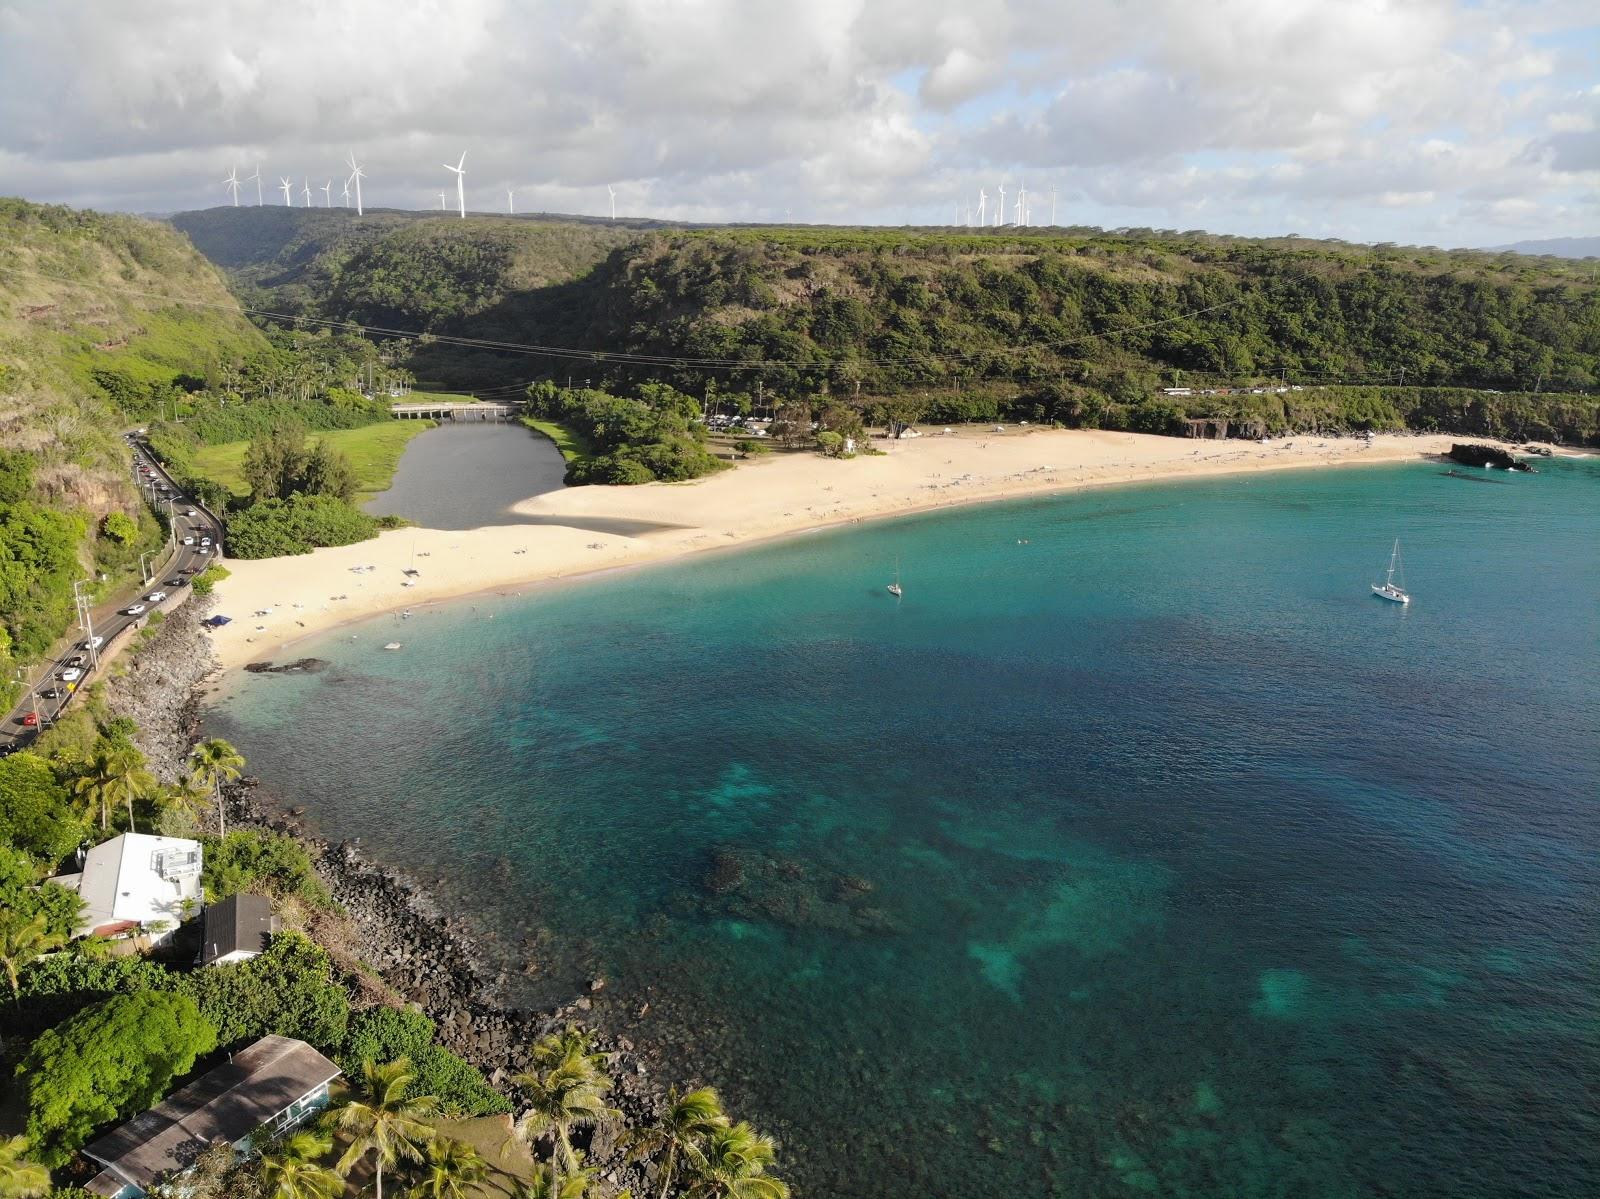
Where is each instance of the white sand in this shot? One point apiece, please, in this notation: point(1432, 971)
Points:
point(277, 601)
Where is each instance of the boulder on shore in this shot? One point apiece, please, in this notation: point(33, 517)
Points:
point(1485, 455)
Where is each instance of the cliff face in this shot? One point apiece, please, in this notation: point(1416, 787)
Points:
point(101, 318)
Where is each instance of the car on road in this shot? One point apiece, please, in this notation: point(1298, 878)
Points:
point(92, 643)
point(133, 610)
point(71, 674)
point(30, 720)
point(205, 541)
point(188, 541)
point(190, 512)
point(52, 693)
point(155, 597)
point(75, 660)
point(177, 582)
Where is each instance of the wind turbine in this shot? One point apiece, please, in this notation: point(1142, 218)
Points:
point(983, 198)
point(1052, 206)
point(461, 186)
point(327, 194)
point(511, 202)
point(257, 178)
point(355, 173)
point(286, 185)
point(307, 190)
point(346, 194)
point(1022, 205)
point(233, 181)
point(441, 202)
point(1000, 208)
point(612, 192)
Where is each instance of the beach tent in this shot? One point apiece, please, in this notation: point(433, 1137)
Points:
point(217, 622)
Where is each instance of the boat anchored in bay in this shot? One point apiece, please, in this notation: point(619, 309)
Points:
point(1388, 589)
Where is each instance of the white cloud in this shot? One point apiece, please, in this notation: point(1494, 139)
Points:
point(1376, 119)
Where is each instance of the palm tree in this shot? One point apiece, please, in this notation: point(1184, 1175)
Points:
point(688, 1121)
point(566, 1090)
point(451, 1170)
point(383, 1120)
point(735, 1166)
point(294, 1170)
point(20, 942)
point(216, 762)
point(547, 1184)
point(115, 775)
point(20, 1178)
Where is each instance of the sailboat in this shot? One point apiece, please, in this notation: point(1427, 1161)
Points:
point(1388, 589)
point(894, 587)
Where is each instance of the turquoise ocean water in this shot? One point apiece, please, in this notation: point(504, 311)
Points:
point(1138, 851)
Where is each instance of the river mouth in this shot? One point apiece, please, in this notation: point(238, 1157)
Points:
point(1092, 866)
point(472, 474)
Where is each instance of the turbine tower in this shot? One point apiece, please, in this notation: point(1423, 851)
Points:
point(1052, 206)
point(232, 181)
point(612, 192)
point(327, 194)
point(983, 199)
point(257, 178)
point(1022, 205)
point(511, 202)
point(355, 174)
point(461, 186)
point(441, 202)
point(286, 185)
point(306, 191)
point(1000, 208)
point(346, 194)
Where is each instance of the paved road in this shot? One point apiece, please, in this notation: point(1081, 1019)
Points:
point(51, 692)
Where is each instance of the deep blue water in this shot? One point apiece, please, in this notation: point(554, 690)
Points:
point(1138, 851)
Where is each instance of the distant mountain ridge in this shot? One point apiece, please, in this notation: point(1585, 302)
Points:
point(1557, 247)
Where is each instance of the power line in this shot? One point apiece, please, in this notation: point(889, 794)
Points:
point(625, 357)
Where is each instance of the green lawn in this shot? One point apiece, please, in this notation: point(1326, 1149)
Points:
point(374, 450)
point(434, 397)
point(572, 444)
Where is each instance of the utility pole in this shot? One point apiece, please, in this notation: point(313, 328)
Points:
point(1538, 383)
point(143, 573)
point(1402, 376)
point(33, 697)
point(86, 622)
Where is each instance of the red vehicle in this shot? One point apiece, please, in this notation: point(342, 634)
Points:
point(30, 720)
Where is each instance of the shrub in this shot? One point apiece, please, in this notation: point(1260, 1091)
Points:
point(205, 582)
point(297, 525)
point(105, 1063)
point(252, 860)
point(381, 1034)
point(289, 991)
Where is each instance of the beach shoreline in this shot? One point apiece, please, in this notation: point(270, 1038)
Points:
point(277, 603)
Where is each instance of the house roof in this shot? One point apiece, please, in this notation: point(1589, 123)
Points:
point(240, 922)
point(136, 877)
point(225, 1104)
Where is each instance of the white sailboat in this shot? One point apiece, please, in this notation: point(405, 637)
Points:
point(894, 587)
point(1389, 589)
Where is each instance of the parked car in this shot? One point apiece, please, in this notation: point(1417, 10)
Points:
point(133, 610)
point(71, 674)
point(155, 597)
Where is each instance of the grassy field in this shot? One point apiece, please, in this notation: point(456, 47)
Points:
point(572, 444)
point(374, 450)
point(436, 397)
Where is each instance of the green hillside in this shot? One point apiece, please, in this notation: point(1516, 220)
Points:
point(103, 320)
point(887, 311)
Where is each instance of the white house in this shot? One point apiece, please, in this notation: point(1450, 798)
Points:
point(136, 881)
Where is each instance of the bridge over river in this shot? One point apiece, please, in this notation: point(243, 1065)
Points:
point(484, 410)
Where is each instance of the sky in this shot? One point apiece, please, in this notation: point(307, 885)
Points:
point(1434, 122)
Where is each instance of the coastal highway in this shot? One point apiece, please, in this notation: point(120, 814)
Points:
point(49, 692)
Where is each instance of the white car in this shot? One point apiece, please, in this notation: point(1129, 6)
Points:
point(189, 512)
point(188, 541)
point(133, 610)
point(205, 541)
point(155, 597)
point(71, 674)
point(92, 643)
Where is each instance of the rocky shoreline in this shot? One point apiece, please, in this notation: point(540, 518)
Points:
point(392, 924)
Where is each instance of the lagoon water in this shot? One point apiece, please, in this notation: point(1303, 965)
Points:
point(1138, 851)
point(463, 476)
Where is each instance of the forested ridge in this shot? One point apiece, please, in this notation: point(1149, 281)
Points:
point(990, 316)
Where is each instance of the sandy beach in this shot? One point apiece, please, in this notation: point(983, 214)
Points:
point(277, 601)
